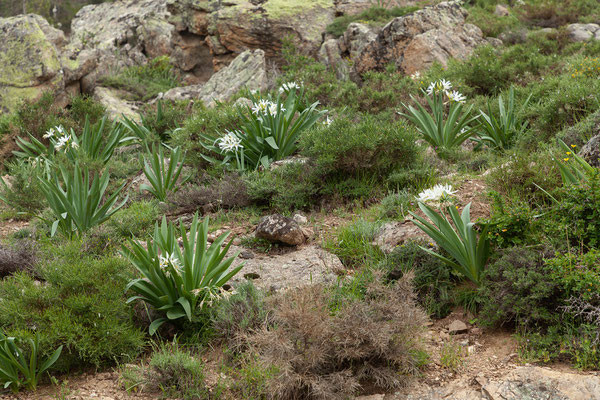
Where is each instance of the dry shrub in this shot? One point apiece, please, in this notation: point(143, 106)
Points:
point(225, 193)
point(323, 356)
point(17, 257)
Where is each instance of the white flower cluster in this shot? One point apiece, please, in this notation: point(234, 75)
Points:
point(169, 260)
point(328, 121)
point(444, 86)
point(286, 87)
point(436, 193)
point(230, 142)
point(266, 107)
point(64, 140)
point(416, 76)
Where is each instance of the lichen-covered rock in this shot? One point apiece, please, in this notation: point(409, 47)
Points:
point(415, 41)
point(591, 151)
point(29, 59)
point(277, 228)
point(114, 104)
point(248, 70)
point(583, 32)
point(356, 38)
point(393, 234)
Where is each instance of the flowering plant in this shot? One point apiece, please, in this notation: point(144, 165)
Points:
point(438, 129)
point(269, 132)
point(573, 168)
point(93, 141)
point(178, 280)
point(468, 254)
point(436, 193)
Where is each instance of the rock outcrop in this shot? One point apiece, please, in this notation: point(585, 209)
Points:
point(591, 151)
point(415, 41)
point(248, 70)
point(29, 59)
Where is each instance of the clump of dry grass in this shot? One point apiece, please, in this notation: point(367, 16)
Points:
point(17, 257)
point(319, 355)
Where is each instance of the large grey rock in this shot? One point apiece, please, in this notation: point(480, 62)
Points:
point(277, 228)
point(248, 70)
point(29, 59)
point(306, 266)
point(591, 151)
point(535, 383)
point(415, 41)
point(583, 32)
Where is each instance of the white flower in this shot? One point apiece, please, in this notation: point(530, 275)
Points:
point(169, 260)
point(416, 76)
point(436, 193)
point(439, 86)
point(446, 85)
point(456, 96)
point(60, 130)
point(49, 133)
point(261, 107)
point(273, 109)
point(327, 121)
point(74, 145)
point(62, 142)
point(230, 142)
point(286, 87)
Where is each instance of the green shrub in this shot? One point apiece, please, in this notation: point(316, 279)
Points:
point(369, 144)
point(235, 317)
point(145, 81)
point(38, 116)
point(577, 274)
point(172, 370)
point(137, 220)
point(517, 291)
point(579, 211)
point(206, 121)
point(491, 24)
point(512, 223)
point(78, 302)
point(397, 204)
point(22, 191)
point(294, 186)
point(353, 244)
point(432, 279)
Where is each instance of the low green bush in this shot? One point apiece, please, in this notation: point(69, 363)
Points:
point(145, 81)
point(518, 291)
point(353, 244)
point(433, 280)
point(76, 301)
point(369, 144)
point(136, 220)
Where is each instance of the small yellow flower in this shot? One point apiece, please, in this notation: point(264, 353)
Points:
point(573, 146)
point(566, 159)
point(503, 230)
point(568, 153)
point(457, 207)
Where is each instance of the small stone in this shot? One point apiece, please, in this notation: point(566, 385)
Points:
point(457, 326)
point(501, 11)
point(300, 219)
point(246, 255)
